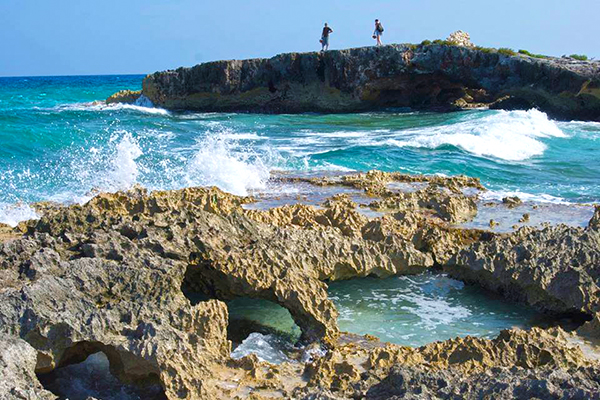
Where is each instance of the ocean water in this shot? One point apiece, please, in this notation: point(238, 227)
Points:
point(60, 143)
point(406, 310)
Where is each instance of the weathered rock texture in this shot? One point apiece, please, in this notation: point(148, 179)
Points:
point(432, 77)
point(117, 275)
point(556, 269)
point(460, 38)
point(124, 96)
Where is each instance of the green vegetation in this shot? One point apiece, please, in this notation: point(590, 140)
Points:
point(507, 52)
point(485, 49)
point(425, 42)
point(525, 52)
point(580, 57)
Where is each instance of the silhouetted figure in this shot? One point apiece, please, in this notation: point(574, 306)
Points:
point(378, 32)
point(325, 37)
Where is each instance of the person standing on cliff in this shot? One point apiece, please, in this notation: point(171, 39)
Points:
point(378, 32)
point(325, 37)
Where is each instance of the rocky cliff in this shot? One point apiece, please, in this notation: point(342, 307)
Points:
point(424, 77)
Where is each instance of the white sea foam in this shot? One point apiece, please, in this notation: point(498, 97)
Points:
point(218, 163)
point(124, 170)
point(508, 135)
point(498, 195)
point(12, 214)
point(142, 105)
point(269, 348)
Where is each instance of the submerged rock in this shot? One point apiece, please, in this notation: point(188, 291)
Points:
point(426, 77)
point(125, 96)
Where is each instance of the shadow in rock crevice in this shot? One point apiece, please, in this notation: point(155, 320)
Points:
point(90, 369)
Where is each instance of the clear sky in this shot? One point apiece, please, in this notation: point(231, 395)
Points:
point(70, 37)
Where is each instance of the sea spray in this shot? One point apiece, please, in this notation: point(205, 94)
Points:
point(219, 163)
point(124, 170)
point(12, 214)
point(507, 135)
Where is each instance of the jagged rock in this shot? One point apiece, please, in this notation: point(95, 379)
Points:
point(121, 275)
point(17, 365)
point(430, 77)
point(498, 383)
point(512, 202)
point(555, 269)
point(460, 38)
point(595, 221)
point(357, 371)
point(124, 96)
point(524, 218)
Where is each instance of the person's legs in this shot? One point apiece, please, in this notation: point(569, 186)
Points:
point(379, 40)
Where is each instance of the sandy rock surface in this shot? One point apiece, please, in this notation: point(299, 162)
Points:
point(142, 277)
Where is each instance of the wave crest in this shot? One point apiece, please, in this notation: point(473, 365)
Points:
point(508, 135)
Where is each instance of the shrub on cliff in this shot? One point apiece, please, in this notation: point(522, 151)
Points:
point(527, 53)
point(484, 49)
point(580, 57)
point(506, 51)
point(426, 42)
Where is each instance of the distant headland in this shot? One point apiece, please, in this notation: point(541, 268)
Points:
point(431, 76)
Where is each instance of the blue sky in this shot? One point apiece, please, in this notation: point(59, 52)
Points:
point(69, 37)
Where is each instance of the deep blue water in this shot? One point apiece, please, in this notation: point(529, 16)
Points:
point(59, 142)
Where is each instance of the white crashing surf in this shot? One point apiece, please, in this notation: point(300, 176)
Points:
point(498, 195)
point(124, 171)
point(218, 162)
point(12, 214)
point(508, 135)
point(142, 105)
point(269, 348)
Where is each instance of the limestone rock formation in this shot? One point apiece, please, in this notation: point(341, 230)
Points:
point(142, 278)
point(124, 96)
point(556, 269)
point(423, 77)
point(17, 366)
point(460, 38)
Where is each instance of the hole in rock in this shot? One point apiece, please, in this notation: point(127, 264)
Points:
point(406, 310)
point(92, 378)
point(256, 326)
point(264, 328)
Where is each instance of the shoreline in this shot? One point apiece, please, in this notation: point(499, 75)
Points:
point(145, 250)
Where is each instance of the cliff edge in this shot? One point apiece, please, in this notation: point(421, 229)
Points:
point(423, 77)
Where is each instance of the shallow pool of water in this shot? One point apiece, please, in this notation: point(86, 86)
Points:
point(407, 310)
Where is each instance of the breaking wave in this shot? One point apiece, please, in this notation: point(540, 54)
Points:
point(508, 135)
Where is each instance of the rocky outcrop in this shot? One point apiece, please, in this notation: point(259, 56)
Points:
point(460, 38)
point(17, 366)
point(424, 77)
point(556, 269)
point(124, 96)
point(142, 277)
point(381, 372)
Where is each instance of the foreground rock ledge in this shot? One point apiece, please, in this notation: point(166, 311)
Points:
point(431, 77)
point(114, 275)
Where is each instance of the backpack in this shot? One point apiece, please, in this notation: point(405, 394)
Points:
point(380, 28)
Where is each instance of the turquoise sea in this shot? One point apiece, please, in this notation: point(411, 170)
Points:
point(60, 142)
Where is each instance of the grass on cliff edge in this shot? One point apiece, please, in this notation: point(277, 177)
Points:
point(503, 50)
point(525, 52)
point(580, 57)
